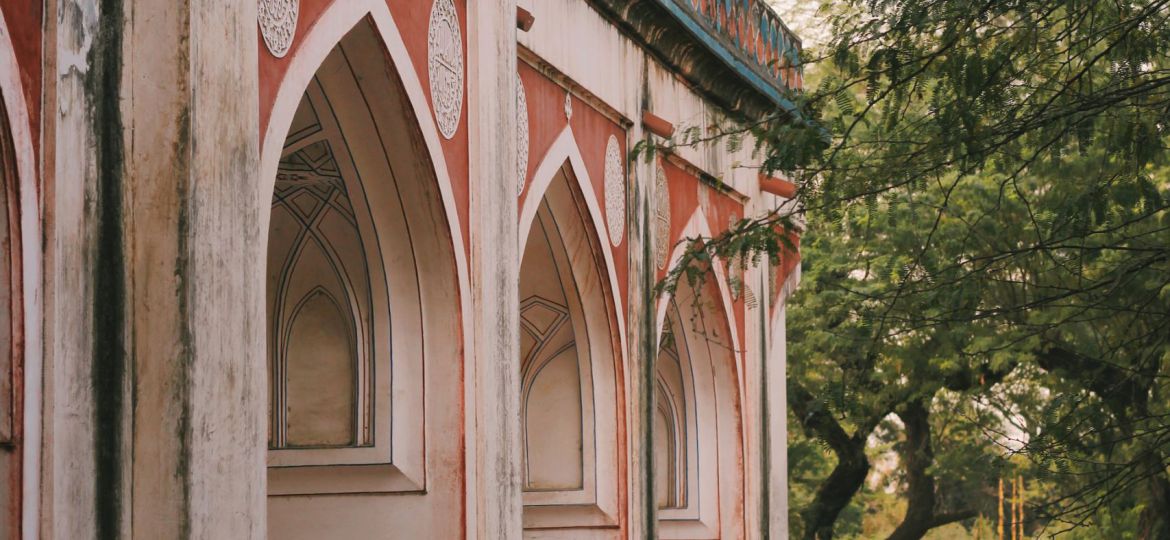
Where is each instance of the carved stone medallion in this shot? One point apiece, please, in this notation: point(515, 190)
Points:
point(735, 266)
point(615, 192)
point(568, 106)
point(773, 276)
point(278, 24)
point(521, 137)
point(445, 66)
point(661, 218)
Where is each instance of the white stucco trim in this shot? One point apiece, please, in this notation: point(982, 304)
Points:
point(563, 149)
point(777, 383)
point(697, 227)
point(333, 25)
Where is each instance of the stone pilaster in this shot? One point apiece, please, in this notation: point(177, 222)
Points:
point(494, 496)
point(154, 294)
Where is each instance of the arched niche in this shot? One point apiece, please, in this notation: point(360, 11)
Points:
point(11, 330)
point(698, 429)
point(21, 366)
point(673, 424)
point(365, 380)
point(568, 344)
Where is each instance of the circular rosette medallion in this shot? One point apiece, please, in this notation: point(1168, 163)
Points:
point(278, 24)
point(661, 217)
point(615, 192)
point(521, 137)
point(445, 66)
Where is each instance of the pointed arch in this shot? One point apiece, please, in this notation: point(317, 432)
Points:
point(29, 285)
point(560, 216)
point(715, 506)
point(353, 69)
point(330, 28)
point(564, 151)
point(697, 226)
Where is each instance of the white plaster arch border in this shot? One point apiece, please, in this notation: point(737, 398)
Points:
point(697, 227)
point(563, 149)
point(30, 232)
point(333, 25)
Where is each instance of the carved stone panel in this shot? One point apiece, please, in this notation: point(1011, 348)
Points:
point(445, 66)
point(278, 24)
point(521, 137)
point(661, 218)
point(615, 192)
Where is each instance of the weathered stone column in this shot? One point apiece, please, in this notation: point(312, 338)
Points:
point(155, 370)
point(643, 332)
point(777, 413)
point(494, 497)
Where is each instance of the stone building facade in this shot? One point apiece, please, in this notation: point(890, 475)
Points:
point(385, 269)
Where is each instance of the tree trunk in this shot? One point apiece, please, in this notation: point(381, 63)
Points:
point(1154, 521)
point(834, 495)
point(917, 456)
point(847, 477)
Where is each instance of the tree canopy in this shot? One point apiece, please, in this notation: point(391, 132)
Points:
point(983, 191)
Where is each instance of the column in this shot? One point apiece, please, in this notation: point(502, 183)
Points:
point(154, 295)
point(494, 498)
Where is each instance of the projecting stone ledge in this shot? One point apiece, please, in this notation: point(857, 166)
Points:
point(738, 52)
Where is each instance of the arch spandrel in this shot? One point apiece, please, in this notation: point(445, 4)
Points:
point(404, 28)
point(563, 124)
point(694, 206)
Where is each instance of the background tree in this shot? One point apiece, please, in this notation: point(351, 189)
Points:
point(986, 256)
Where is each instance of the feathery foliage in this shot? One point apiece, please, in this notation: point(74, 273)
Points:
point(984, 190)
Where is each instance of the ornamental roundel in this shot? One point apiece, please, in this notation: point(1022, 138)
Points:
point(445, 66)
point(278, 24)
point(521, 137)
point(773, 276)
point(568, 106)
point(661, 217)
point(615, 192)
point(735, 265)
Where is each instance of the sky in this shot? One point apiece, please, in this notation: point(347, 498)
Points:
point(801, 17)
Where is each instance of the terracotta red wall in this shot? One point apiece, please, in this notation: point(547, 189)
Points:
point(412, 19)
point(24, 19)
point(591, 130)
point(719, 208)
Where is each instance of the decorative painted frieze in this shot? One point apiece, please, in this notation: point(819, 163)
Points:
point(755, 32)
